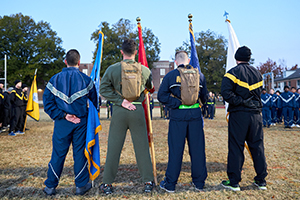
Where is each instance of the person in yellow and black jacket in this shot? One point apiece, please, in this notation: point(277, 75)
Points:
point(241, 88)
point(17, 101)
point(25, 100)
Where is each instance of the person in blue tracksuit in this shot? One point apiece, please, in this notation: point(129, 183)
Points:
point(65, 101)
point(274, 109)
point(296, 117)
point(186, 122)
point(288, 104)
point(279, 109)
point(211, 105)
point(266, 100)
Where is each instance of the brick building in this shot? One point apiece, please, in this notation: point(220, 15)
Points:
point(290, 78)
point(159, 70)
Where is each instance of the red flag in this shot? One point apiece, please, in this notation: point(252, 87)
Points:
point(143, 60)
point(142, 52)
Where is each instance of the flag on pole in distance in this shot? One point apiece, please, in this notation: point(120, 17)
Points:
point(233, 45)
point(194, 57)
point(32, 108)
point(95, 74)
point(91, 150)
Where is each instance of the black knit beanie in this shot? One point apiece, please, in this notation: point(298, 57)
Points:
point(243, 54)
point(17, 81)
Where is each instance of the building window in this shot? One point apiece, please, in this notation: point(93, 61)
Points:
point(289, 84)
point(162, 72)
point(298, 83)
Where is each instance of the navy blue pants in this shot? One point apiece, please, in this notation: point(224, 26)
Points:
point(245, 126)
point(266, 113)
point(192, 131)
point(279, 115)
point(288, 114)
point(211, 111)
point(64, 134)
point(296, 116)
point(274, 115)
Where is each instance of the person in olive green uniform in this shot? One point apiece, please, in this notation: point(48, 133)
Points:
point(127, 115)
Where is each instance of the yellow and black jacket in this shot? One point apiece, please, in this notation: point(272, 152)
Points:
point(240, 83)
point(17, 97)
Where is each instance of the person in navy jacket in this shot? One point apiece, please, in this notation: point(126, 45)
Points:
point(296, 117)
point(266, 100)
point(65, 101)
point(288, 104)
point(274, 109)
point(186, 122)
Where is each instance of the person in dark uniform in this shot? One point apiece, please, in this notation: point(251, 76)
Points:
point(7, 109)
point(109, 108)
point(288, 104)
point(205, 110)
point(274, 109)
point(211, 105)
point(279, 110)
point(297, 108)
point(25, 100)
point(127, 115)
point(17, 101)
point(266, 100)
point(151, 105)
point(186, 123)
point(65, 101)
point(241, 88)
point(1, 104)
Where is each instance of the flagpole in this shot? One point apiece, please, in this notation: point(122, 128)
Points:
point(151, 143)
point(236, 44)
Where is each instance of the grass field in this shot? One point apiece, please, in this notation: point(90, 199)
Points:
point(24, 160)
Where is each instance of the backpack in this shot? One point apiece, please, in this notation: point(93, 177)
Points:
point(131, 74)
point(189, 85)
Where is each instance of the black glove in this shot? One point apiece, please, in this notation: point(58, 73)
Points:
point(270, 108)
point(249, 103)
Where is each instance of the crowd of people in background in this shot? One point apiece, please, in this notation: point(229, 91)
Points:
point(281, 107)
point(13, 108)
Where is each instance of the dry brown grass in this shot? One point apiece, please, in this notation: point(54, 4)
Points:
point(24, 159)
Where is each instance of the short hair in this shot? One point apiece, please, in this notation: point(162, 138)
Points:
point(181, 55)
point(264, 89)
point(278, 92)
point(286, 87)
point(73, 57)
point(129, 47)
point(293, 88)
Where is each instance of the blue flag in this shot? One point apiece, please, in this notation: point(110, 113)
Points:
point(92, 151)
point(194, 57)
point(95, 74)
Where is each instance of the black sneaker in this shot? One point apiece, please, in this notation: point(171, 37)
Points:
point(197, 188)
point(162, 185)
point(228, 185)
point(148, 186)
point(106, 188)
point(49, 191)
point(262, 185)
point(84, 189)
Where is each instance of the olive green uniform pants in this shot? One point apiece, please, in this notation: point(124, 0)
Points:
point(122, 120)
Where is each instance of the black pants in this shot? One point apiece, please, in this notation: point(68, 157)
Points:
point(245, 126)
point(16, 119)
point(6, 119)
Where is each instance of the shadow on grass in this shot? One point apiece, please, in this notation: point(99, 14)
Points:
point(128, 180)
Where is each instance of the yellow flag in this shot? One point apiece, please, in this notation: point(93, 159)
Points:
point(32, 108)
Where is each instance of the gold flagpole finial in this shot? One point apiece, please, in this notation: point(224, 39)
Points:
point(190, 16)
point(138, 19)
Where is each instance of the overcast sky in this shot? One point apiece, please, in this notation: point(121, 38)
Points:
point(269, 27)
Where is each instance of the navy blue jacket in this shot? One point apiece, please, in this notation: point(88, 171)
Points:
point(287, 99)
point(275, 100)
point(68, 92)
point(171, 85)
point(266, 100)
point(297, 99)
